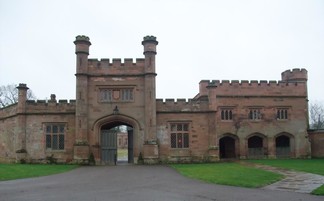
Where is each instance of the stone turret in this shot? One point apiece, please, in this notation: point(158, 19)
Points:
point(149, 43)
point(295, 74)
point(22, 97)
point(20, 135)
point(150, 146)
point(82, 44)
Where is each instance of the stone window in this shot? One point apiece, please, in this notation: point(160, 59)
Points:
point(255, 114)
point(116, 95)
point(179, 135)
point(127, 94)
point(106, 95)
point(282, 113)
point(55, 136)
point(226, 114)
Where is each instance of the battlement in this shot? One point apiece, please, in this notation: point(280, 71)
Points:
point(220, 83)
point(116, 66)
point(61, 106)
point(82, 38)
point(181, 105)
point(253, 88)
point(116, 62)
point(149, 38)
point(295, 74)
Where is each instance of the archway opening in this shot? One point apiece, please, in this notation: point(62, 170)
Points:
point(255, 147)
point(282, 146)
point(116, 141)
point(227, 147)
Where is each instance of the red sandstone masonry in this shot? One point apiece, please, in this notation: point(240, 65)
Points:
point(293, 83)
point(181, 105)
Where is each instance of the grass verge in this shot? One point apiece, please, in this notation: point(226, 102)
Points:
point(315, 166)
point(232, 174)
point(319, 191)
point(19, 171)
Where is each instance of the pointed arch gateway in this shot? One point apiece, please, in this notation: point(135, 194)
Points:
point(285, 144)
point(257, 146)
point(228, 146)
point(107, 137)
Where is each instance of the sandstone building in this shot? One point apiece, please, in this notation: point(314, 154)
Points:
point(226, 119)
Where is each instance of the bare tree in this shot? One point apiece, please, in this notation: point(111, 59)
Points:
point(9, 95)
point(316, 115)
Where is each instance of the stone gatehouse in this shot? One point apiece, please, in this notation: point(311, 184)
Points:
point(226, 119)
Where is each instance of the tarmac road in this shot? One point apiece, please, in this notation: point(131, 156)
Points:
point(133, 182)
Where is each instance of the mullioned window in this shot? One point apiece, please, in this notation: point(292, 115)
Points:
point(179, 135)
point(54, 136)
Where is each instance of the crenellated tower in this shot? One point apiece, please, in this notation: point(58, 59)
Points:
point(294, 75)
point(82, 44)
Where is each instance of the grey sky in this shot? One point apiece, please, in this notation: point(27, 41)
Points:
point(234, 40)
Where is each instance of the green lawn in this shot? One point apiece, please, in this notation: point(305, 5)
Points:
point(319, 191)
point(19, 171)
point(315, 166)
point(232, 174)
point(122, 153)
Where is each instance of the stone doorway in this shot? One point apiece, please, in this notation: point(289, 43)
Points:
point(255, 147)
point(116, 141)
point(283, 146)
point(227, 148)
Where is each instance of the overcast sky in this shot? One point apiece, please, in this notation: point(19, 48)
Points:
point(198, 40)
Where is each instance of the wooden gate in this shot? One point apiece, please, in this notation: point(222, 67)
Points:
point(130, 146)
point(108, 147)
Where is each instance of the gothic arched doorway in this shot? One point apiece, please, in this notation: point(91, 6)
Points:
point(227, 147)
point(116, 142)
point(256, 146)
point(283, 146)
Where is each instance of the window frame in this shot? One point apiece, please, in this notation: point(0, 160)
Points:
point(255, 114)
point(226, 114)
point(55, 137)
point(179, 138)
point(282, 114)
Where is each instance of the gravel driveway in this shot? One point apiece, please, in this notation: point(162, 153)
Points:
point(132, 182)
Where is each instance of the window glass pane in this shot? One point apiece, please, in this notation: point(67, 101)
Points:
point(180, 140)
point(186, 140)
point(131, 94)
point(173, 127)
point(55, 128)
point(179, 127)
point(55, 142)
point(61, 142)
point(48, 141)
point(185, 127)
point(173, 140)
point(286, 114)
point(61, 128)
point(48, 129)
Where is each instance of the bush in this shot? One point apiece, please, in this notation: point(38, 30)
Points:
point(51, 159)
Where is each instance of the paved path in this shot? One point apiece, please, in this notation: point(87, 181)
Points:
point(294, 181)
point(133, 183)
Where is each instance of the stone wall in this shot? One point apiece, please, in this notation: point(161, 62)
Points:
point(316, 138)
